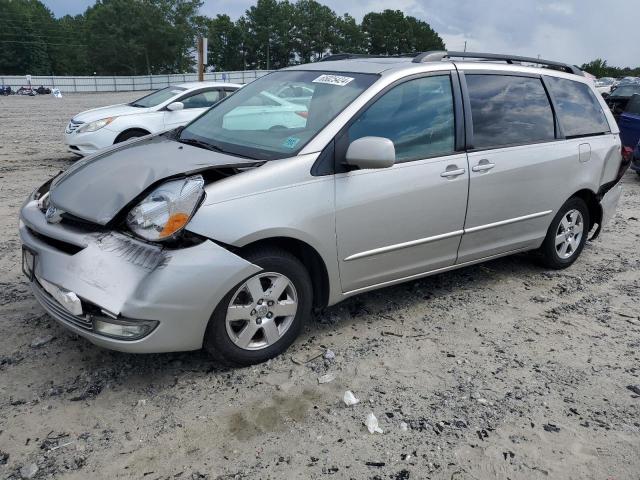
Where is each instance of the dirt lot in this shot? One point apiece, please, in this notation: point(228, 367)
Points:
point(501, 370)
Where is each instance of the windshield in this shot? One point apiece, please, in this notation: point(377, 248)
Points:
point(606, 81)
point(626, 91)
point(276, 115)
point(157, 97)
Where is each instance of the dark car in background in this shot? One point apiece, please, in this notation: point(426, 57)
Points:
point(635, 159)
point(5, 90)
point(620, 96)
point(629, 122)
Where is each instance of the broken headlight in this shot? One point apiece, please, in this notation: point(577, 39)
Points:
point(166, 210)
point(97, 125)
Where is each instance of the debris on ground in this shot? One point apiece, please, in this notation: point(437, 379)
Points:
point(350, 399)
point(329, 355)
point(326, 378)
point(550, 427)
point(303, 357)
point(29, 471)
point(372, 424)
point(634, 388)
point(41, 341)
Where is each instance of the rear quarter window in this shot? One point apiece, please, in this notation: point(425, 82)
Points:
point(509, 110)
point(579, 112)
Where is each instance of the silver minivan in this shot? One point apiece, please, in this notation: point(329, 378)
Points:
point(228, 233)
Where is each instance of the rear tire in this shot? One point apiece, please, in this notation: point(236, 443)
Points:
point(244, 330)
point(567, 235)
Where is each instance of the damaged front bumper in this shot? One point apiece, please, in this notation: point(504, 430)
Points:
point(165, 295)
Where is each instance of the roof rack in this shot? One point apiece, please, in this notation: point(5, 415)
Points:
point(347, 56)
point(435, 56)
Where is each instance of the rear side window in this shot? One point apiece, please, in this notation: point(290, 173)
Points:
point(633, 106)
point(417, 116)
point(202, 99)
point(509, 110)
point(579, 112)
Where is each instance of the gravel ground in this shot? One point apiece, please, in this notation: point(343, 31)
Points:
point(500, 370)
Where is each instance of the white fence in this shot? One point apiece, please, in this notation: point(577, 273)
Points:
point(126, 84)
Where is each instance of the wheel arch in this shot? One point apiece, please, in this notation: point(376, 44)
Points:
point(595, 209)
point(129, 130)
point(310, 258)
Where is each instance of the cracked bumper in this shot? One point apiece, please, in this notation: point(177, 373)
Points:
point(133, 280)
point(609, 203)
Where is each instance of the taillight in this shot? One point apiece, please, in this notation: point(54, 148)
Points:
point(303, 114)
point(627, 153)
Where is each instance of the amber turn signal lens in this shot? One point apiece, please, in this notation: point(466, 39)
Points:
point(176, 222)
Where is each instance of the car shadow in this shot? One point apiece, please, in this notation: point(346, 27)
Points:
point(103, 367)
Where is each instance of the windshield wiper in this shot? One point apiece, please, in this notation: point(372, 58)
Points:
point(136, 105)
point(210, 146)
point(200, 144)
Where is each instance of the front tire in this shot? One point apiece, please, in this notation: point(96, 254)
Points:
point(263, 315)
point(567, 234)
point(129, 134)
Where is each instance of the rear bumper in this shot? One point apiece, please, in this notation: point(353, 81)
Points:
point(609, 204)
point(131, 280)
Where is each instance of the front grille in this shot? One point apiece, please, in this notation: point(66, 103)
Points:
point(66, 247)
point(58, 312)
point(73, 126)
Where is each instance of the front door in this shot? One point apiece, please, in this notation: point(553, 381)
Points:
point(194, 104)
point(402, 221)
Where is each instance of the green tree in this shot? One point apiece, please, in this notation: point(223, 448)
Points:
point(391, 33)
point(141, 36)
point(267, 37)
point(349, 36)
point(27, 30)
point(225, 41)
point(314, 30)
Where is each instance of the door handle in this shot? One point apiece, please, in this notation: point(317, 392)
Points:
point(483, 166)
point(452, 173)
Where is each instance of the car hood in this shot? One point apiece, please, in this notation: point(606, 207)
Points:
point(110, 111)
point(98, 187)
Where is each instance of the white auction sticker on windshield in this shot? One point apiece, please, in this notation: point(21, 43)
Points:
point(338, 80)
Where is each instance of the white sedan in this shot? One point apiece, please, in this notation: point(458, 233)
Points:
point(93, 130)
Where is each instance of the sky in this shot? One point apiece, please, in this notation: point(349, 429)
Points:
point(571, 31)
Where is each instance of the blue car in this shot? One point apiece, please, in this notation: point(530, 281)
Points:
point(635, 159)
point(629, 123)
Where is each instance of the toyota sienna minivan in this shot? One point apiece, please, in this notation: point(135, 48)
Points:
point(228, 235)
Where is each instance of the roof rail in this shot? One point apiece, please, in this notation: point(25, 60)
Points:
point(437, 56)
point(346, 56)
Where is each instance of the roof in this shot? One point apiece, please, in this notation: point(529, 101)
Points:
point(356, 63)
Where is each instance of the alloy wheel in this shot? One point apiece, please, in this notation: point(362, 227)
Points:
point(569, 234)
point(261, 311)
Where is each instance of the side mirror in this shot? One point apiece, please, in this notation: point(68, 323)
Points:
point(371, 152)
point(175, 106)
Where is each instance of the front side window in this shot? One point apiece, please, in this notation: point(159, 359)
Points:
point(202, 99)
point(509, 110)
point(255, 122)
point(579, 112)
point(417, 116)
point(157, 97)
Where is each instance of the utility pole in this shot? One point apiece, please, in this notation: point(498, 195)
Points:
point(202, 57)
point(465, 45)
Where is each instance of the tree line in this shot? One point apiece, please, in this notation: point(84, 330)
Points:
point(137, 37)
point(599, 68)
